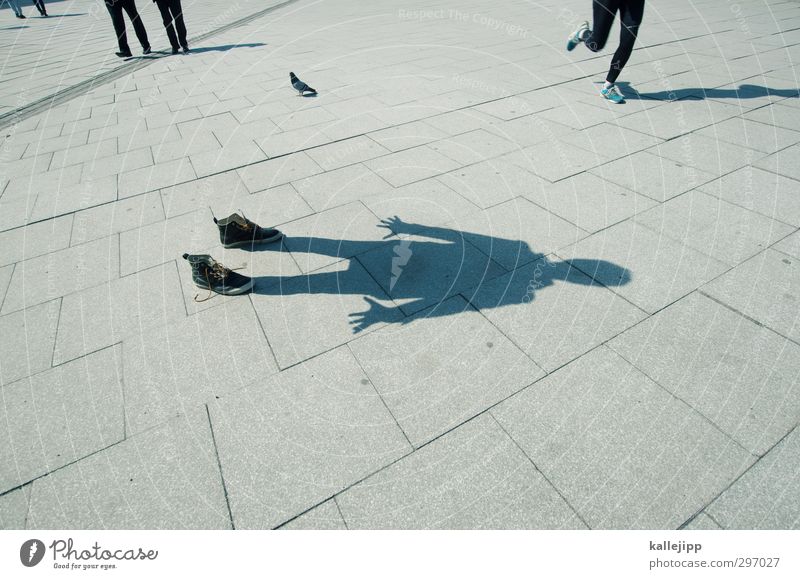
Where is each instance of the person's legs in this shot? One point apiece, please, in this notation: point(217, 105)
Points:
point(138, 25)
point(603, 14)
point(180, 26)
point(166, 18)
point(40, 7)
point(15, 7)
point(631, 13)
point(115, 11)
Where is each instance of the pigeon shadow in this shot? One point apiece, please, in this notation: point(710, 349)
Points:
point(418, 267)
point(745, 91)
point(226, 47)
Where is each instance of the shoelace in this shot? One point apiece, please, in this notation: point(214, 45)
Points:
point(614, 90)
point(219, 272)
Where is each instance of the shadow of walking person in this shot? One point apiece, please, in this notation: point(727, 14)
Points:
point(417, 267)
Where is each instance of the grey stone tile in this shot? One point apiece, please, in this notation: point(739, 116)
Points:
point(659, 270)
point(578, 115)
point(558, 160)
point(611, 140)
point(28, 338)
point(789, 246)
point(473, 147)
point(35, 240)
point(625, 453)
point(148, 179)
point(339, 187)
point(306, 315)
point(14, 508)
point(420, 204)
point(411, 165)
point(96, 169)
point(766, 288)
point(163, 241)
point(325, 517)
point(290, 442)
point(706, 154)
point(5, 279)
point(553, 322)
point(324, 238)
point(347, 152)
point(175, 369)
point(105, 314)
point(656, 177)
point(785, 162)
point(165, 478)
point(491, 182)
point(589, 202)
point(760, 191)
point(727, 232)
point(767, 496)
point(736, 373)
point(406, 136)
point(218, 191)
point(420, 371)
point(751, 134)
point(56, 201)
point(776, 115)
point(60, 416)
point(112, 218)
point(680, 117)
point(279, 171)
point(474, 477)
point(702, 522)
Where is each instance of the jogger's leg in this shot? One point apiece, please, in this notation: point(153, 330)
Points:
point(603, 14)
point(631, 13)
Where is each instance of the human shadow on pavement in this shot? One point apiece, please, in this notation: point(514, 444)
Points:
point(417, 267)
point(745, 91)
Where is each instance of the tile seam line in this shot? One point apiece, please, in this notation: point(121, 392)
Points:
point(65, 95)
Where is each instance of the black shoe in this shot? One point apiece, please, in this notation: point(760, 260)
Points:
point(175, 50)
point(215, 277)
point(237, 231)
point(186, 50)
point(146, 50)
point(21, 16)
point(124, 54)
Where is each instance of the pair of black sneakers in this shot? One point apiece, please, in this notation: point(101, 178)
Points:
point(234, 231)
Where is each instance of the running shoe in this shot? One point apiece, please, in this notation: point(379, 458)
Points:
point(612, 94)
point(578, 36)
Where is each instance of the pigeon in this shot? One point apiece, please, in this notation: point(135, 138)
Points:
point(299, 85)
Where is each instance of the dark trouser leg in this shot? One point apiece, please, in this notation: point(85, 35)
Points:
point(138, 25)
point(631, 13)
point(40, 6)
point(115, 11)
point(180, 26)
point(166, 18)
point(603, 14)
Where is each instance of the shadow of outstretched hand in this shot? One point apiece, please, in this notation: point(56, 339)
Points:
point(395, 226)
point(376, 313)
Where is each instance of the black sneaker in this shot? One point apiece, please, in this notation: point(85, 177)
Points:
point(174, 50)
point(215, 277)
point(238, 231)
point(21, 16)
point(186, 50)
point(124, 54)
point(146, 50)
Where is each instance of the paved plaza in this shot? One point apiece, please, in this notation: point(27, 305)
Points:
point(501, 302)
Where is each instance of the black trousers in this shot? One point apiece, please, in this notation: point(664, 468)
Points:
point(115, 8)
point(171, 11)
point(630, 15)
point(40, 6)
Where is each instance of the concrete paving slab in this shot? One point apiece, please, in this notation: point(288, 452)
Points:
point(766, 496)
point(783, 162)
point(727, 232)
point(341, 186)
point(474, 477)
point(165, 478)
point(739, 375)
point(279, 171)
point(288, 443)
point(113, 218)
point(491, 182)
point(751, 134)
point(325, 517)
point(790, 245)
point(217, 191)
point(14, 508)
point(430, 393)
point(60, 416)
point(411, 165)
point(624, 452)
point(661, 270)
point(764, 288)
point(35, 240)
point(175, 369)
point(703, 523)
